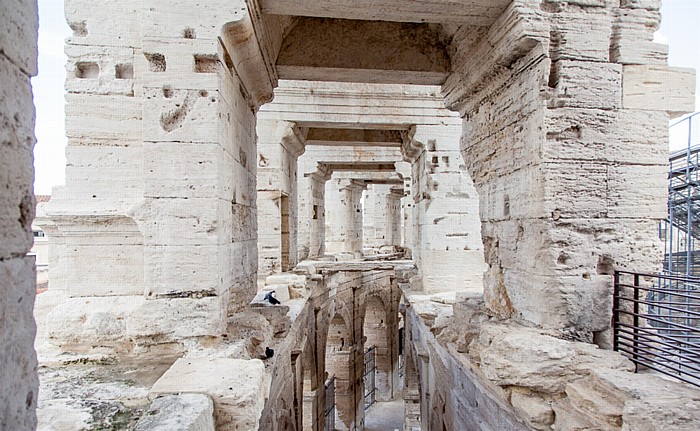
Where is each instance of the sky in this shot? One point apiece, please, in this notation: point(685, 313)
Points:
point(680, 29)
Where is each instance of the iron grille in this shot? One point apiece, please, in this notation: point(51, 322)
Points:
point(656, 323)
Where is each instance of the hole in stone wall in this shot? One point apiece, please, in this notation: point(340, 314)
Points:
point(86, 70)
point(189, 33)
point(167, 92)
point(432, 145)
point(606, 265)
point(124, 71)
point(79, 28)
point(206, 63)
point(156, 62)
point(553, 75)
point(446, 161)
point(314, 212)
point(506, 205)
point(435, 161)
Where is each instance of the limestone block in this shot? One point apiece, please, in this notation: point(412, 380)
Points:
point(95, 116)
point(527, 357)
point(582, 302)
point(183, 221)
point(581, 34)
point(519, 194)
point(637, 191)
point(18, 377)
point(174, 270)
point(181, 64)
point(100, 70)
point(582, 246)
point(18, 40)
point(636, 401)
point(104, 22)
point(170, 20)
point(628, 51)
point(117, 262)
point(92, 322)
point(238, 387)
point(17, 137)
point(661, 415)
point(576, 189)
point(582, 84)
point(183, 412)
point(624, 136)
point(538, 411)
point(641, 4)
point(658, 88)
point(97, 170)
point(176, 319)
point(177, 115)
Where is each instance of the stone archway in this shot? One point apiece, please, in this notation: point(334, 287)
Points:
point(339, 357)
point(378, 336)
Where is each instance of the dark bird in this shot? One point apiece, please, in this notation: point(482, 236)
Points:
point(269, 353)
point(271, 299)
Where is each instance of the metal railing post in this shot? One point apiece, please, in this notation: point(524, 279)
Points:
point(635, 324)
point(616, 310)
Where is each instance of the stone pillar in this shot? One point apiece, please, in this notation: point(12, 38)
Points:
point(19, 384)
point(344, 212)
point(447, 246)
point(394, 220)
point(572, 178)
point(280, 144)
point(312, 214)
point(157, 220)
point(377, 223)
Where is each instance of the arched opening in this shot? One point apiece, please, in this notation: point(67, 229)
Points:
point(338, 377)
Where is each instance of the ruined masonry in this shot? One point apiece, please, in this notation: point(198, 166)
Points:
point(436, 193)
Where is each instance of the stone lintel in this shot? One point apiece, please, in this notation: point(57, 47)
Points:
point(470, 12)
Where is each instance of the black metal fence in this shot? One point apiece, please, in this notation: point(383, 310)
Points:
point(656, 323)
point(330, 405)
point(370, 377)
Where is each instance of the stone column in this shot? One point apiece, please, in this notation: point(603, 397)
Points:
point(19, 384)
point(312, 213)
point(344, 212)
point(394, 220)
point(280, 144)
point(447, 246)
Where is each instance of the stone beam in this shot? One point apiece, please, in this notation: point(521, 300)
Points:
point(359, 105)
point(353, 137)
point(362, 167)
point(379, 52)
point(471, 12)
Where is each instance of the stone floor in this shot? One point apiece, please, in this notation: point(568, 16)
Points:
point(386, 416)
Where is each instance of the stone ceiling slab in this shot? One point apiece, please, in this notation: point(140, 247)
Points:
point(342, 50)
point(471, 12)
point(353, 137)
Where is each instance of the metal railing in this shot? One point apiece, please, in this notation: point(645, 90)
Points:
point(656, 323)
point(370, 377)
point(329, 409)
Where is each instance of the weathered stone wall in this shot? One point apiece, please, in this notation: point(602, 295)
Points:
point(280, 144)
point(19, 384)
point(382, 222)
point(571, 177)
point(156, 97)
point(446, 243)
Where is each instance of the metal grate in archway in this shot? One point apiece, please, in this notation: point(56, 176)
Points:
point(370, 380)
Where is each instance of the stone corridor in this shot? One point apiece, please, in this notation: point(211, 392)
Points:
point(452, 181)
